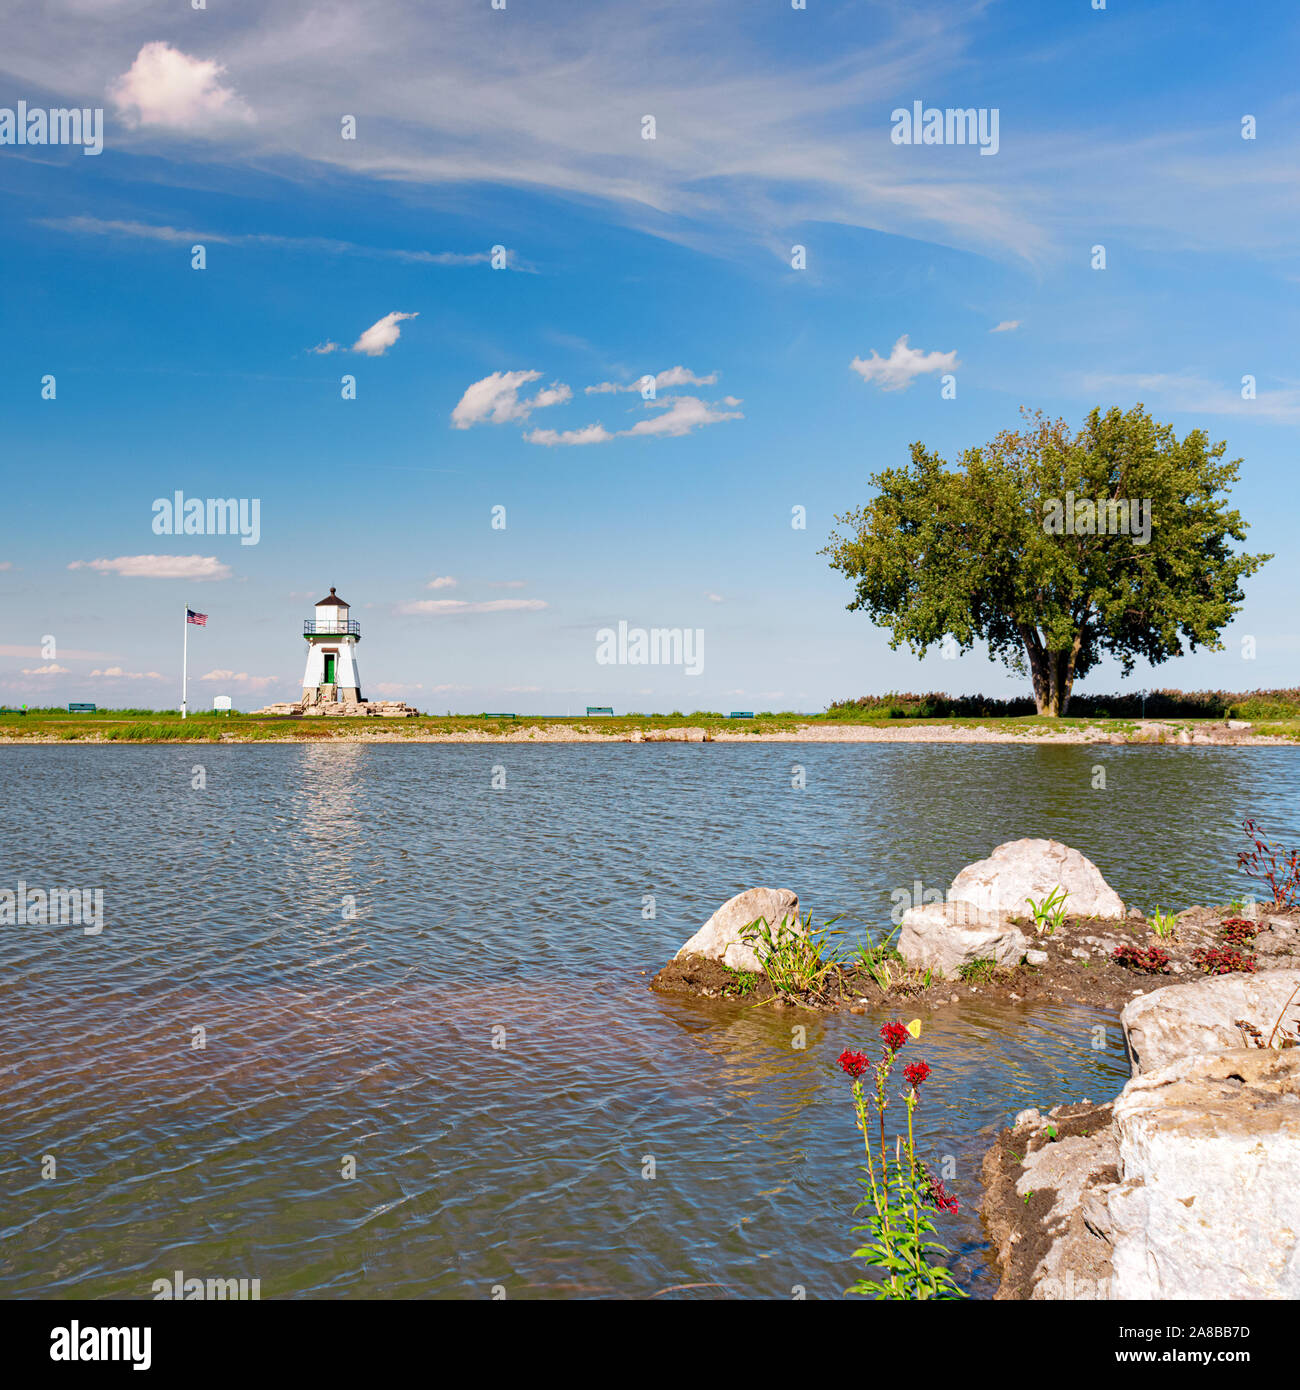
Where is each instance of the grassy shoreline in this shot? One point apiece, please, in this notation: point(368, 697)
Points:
point(109, 727)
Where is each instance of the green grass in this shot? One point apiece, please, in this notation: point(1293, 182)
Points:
point(166, 726)
point(977, 972)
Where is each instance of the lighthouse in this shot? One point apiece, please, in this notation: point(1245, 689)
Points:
point(331, 677)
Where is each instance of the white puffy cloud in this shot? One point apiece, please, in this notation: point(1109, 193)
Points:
point(903, 365)
point(588, 434)
point(117, 673)
point(52, 669)
point(1006, 326)
point(196, 567)
point(443, 581)
point(440, 607)
point(380, 336)
point(555, 394)
point(680, 415)
point(495, 399)
point(167, 88)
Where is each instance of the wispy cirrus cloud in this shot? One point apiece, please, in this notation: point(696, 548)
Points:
point(196, 567)
point(451, 607)
point(189, 236)
point(1197, 394)
point(747, 147)
point(672, 376)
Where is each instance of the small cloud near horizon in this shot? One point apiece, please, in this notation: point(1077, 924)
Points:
point(199, 568)
point(446, 607)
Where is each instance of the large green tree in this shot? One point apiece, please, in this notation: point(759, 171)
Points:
point(1054, 547)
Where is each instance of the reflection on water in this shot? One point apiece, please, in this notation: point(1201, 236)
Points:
point(388, 959)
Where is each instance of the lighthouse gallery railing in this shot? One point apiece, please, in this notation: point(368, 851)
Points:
point(314, 627)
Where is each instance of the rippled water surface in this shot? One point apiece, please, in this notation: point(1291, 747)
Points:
point(354, 928)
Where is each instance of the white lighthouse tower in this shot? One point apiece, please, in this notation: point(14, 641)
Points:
point(331, 677)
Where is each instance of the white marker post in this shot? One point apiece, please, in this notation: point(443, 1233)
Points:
point(185, 658)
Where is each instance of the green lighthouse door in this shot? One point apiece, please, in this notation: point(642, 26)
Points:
point(329, 668)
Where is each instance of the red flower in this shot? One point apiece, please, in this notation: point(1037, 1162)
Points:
point(916, 1073)
point(854, 1063)
point(895, 1035)
point(943, 1201)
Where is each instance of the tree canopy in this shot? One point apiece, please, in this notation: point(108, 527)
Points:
point(1055, 548)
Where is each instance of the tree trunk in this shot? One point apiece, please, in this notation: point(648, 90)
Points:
point(1052, 673)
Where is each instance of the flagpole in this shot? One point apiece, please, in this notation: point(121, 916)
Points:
point(185, 659)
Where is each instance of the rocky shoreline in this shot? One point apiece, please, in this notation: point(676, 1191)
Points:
point(1175, 733)
point(1181, 1187)
point(981, 941)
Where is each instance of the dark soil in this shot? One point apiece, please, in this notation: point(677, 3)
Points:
point(1079, 968)
point(1018, 1229)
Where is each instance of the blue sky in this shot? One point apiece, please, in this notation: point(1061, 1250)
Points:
point(625, 257)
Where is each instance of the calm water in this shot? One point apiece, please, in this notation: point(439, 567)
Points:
point(514, 914)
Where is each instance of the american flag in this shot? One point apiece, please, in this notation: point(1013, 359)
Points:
point(198, 619)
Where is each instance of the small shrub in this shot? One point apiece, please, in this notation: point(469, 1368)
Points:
point(1223, 960)
point(1150, 960)
point(1239, 931)
point(1270, 864)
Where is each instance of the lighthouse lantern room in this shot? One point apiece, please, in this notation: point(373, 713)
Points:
point(331, 676)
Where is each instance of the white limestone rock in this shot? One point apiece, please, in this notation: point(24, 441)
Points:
point(945, 936)
point(1200, 1017)
point(1209, 1163)
point(1024, 869)
point(719, 938)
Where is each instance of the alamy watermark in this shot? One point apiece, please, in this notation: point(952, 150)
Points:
point(179, 515)
point(59, 125)
point(1107, 516)
point(195, 1289)
point(951, 125)
point(57, 907)
point(656, 646)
